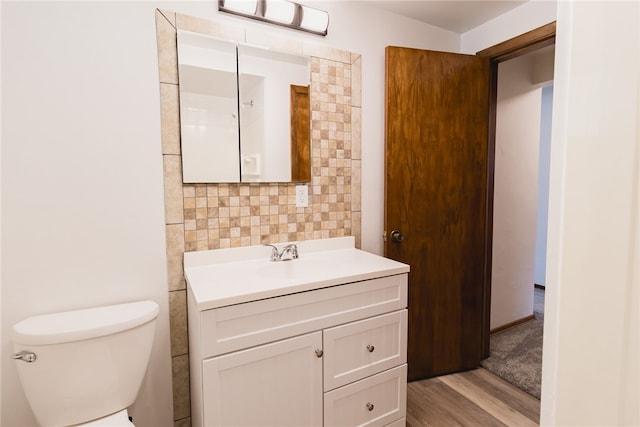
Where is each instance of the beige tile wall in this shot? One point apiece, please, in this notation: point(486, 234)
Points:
point(211, 216)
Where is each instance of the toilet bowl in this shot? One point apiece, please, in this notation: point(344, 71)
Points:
point(85, 367)
point(119, 419)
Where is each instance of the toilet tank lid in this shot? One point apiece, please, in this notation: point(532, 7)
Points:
point(76, 325)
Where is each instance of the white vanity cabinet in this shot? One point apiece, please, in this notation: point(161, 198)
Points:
point(332, 353)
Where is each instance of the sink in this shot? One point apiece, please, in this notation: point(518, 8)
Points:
point(300, 268)
point(224, 277)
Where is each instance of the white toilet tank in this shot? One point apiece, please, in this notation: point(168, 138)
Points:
point(88, 363)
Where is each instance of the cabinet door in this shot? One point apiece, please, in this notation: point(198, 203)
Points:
point(278, 384)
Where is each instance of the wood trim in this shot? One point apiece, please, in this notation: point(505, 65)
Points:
point(512, 324)
point(491, 161)
point(522, 44)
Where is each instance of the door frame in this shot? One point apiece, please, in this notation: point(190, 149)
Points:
point(517, 46)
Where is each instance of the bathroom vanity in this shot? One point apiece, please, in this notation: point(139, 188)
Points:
point(318, 340)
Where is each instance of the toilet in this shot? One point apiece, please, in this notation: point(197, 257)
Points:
point(85, 367)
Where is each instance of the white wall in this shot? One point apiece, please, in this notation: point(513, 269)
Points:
point(1, 377)
point(515, 192)
point(529, 16)
point(543, 185)
point(82, 198)
point(592, 337)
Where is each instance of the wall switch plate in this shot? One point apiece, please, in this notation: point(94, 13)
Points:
point(302, 196)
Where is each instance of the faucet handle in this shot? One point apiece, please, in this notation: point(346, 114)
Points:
point(292, 248)
point(275, 256)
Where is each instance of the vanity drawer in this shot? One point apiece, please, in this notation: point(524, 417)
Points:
point(359, 349)
point(402, 422)
point(375, 401)
point(240, 326)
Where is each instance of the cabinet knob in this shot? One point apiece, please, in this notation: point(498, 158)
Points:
point(319, 353)
point(370, 348)
point(370, 406)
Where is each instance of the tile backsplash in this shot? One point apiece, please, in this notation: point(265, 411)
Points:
point(211, 216)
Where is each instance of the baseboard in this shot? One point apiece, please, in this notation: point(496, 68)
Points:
point(512, 324)
point(535, 285)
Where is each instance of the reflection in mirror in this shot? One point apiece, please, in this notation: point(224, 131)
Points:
point(208, 109)
point(300, 134)
point(244, 112)
point(266, 78)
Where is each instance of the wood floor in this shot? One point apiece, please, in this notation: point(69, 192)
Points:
point(472, 398)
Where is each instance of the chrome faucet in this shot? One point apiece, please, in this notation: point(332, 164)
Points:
point(288, 253)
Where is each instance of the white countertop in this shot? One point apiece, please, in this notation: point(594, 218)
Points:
point(222, 277)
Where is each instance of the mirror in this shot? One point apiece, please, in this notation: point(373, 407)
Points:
point(208, 109)
point(244, 112)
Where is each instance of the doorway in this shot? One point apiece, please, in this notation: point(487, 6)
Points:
point(521, 189)
point(527, 43)
point(521, 185)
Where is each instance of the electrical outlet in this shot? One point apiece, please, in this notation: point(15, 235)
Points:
point(302, 196)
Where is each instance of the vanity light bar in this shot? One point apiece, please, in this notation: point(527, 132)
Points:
point(280, 12)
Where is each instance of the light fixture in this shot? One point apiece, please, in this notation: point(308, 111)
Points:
point(314, 20)
point(243, 7)
point(280, 12)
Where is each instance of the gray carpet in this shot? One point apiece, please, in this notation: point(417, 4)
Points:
point(516, 355)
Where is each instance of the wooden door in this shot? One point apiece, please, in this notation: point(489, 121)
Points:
point(436, 155)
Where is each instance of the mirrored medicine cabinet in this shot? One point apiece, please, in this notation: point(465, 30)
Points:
point(244, 112)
